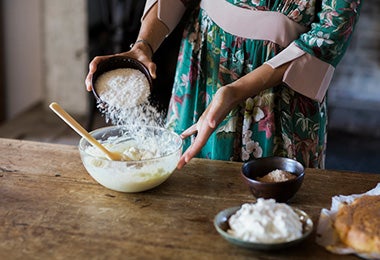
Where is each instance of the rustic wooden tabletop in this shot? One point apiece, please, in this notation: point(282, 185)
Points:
point(50, 208)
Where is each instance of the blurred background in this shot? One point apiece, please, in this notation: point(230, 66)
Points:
point(45, 47)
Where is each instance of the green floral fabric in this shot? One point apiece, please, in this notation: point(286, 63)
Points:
point(278, 121)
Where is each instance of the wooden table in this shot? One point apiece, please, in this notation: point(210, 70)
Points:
point(50, 208)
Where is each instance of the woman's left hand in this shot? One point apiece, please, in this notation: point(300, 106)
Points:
point(224, 101)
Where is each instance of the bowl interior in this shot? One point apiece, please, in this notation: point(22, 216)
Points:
point(167, 141)
point(260, 167)
point(118, 62)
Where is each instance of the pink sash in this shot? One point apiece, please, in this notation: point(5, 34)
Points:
point(260, 25)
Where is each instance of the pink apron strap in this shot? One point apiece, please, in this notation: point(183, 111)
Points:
point(259, 25)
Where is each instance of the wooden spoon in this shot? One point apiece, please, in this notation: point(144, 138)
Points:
point(114, 156)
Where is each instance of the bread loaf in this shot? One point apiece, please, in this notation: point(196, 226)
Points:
point(358, 224)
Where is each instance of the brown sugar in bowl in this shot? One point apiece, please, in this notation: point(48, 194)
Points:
point(280, 191)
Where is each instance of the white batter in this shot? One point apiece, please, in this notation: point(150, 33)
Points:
point(139, 173)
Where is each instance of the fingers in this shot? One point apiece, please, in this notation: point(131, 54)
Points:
point(138, 55)
point(151, 66)
point(192, 151)
point(204, 133)
point(152, 69)
point(144, 56)
point(220, 106)
point(181, 163)
point(185, 134)
point(88, 82)
point(189, 154)
point(189, 131)
point(91, 70)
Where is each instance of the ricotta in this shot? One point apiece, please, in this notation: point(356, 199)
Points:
point(265, 221)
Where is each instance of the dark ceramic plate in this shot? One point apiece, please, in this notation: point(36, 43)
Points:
point(221, 225)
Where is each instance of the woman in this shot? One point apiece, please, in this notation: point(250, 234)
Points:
point(251, 76)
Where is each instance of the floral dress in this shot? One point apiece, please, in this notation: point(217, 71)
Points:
point(278, 121)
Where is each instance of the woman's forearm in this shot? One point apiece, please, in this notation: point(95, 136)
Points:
point(262, 78)
point(152, 30)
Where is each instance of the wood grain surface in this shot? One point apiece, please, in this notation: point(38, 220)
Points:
point(50, 208)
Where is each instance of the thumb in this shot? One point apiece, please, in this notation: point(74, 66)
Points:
point(152, 69)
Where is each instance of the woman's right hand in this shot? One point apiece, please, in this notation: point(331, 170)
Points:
point(139, 51)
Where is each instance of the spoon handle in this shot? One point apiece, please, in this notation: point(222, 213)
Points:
point(79, 129)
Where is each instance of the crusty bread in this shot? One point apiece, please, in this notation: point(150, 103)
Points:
point(358, 224)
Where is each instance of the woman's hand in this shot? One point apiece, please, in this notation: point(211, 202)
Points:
point(139, 51)
point(225, 99)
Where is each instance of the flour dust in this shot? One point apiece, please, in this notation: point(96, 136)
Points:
point(124, 97)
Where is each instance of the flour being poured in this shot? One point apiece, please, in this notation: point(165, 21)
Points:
point(125, 92)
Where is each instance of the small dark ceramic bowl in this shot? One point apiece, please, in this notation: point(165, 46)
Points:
point(280, 191)
point(118, 62)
